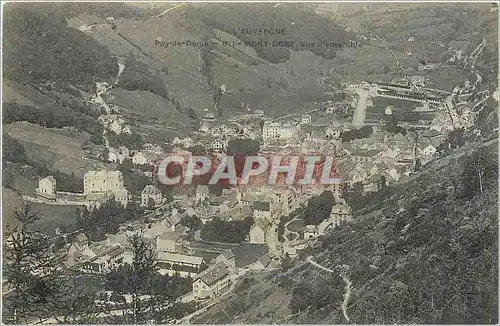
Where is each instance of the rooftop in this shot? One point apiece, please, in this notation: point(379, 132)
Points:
point(213, 274)
point(261, 206)
point(228, 254)
point(50, 178)
point(151, 190)
point(81, 238)
point(364, 153)
point(169, 235)
point(168, 256)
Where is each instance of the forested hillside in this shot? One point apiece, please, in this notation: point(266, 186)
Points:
point(40, 47)
point(423, 252)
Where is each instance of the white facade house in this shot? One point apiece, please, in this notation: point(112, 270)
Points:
point(152, 149)
point(118, 155)
point(258, 231)
point(277, 131)
point(306, 118)
point(218, 145)
point(149, 193)
point(429, 150)
point(258, 113)
point(168, 241)
point(332, 133)
point(310, 231)
point(330, 110)
point(211, 283)
point(184, 265)
point(143, 158)
point(105, 261)
point(202, 193)
point(47, 188)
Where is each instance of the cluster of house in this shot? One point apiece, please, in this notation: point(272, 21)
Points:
point(168, 240)
point(384, 157)
point(115, 123)
point(147, 155)
point(300, 129)
point(265, 204)
point(98, 187)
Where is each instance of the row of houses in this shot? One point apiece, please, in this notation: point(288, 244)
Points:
point(209, 279)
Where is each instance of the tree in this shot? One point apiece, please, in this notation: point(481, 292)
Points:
point(456, 138)
point(480, 172)
point(418, 165)
point(75, 303)
point(232, 232)
point(28, 270)
point(392, 126)
point(144, 267)
point(8, 177)
point(353, 194)
point(318, 208)
point(151, 203)
point(192, 222)
point(192, 114)
point(242, 146)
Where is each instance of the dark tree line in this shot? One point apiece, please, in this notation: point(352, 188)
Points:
point(131, 141)
point(363, 132)
point(136, 76)
point(134, 180)
point(15, 112)
point(232, 232)
point(242, 146)
point(40, 46)
point(106, 219)
point(318, 208)
point(391, 125)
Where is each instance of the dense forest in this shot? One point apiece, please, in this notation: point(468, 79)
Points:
point(39, 46)
point(136, 76)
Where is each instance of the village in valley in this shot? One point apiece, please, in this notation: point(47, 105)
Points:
point(209, 239)
point(370, 150)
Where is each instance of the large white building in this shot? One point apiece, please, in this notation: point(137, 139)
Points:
point(105, 182)
point(279, 131)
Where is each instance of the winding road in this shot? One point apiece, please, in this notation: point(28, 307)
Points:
point(348, 285)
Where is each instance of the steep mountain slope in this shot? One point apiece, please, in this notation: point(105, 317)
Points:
point(40, 47)
point(423, 251)
point(192, 73)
